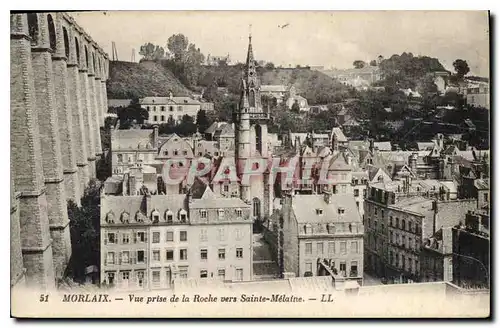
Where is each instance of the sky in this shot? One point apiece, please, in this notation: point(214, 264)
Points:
point(315, 38)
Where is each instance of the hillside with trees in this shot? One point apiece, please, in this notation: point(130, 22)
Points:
point(137, 80)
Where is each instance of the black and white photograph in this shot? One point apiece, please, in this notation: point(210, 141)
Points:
point(250, 164)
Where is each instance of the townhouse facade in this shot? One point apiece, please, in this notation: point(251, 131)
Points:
point(148, 241)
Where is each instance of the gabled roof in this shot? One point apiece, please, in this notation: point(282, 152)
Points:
point(482, 183)
point(425, 145)
point(338, 134)
point(132, 139)
point(338, 162)
point(383, 145)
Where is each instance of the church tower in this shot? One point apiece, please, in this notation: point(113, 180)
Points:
point(251, 136)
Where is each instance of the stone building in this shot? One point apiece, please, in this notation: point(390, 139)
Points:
point(58, 100)
point(162, 109)
point(159, 238)
point(320, 228)
point(399, 215)
point(472, 251)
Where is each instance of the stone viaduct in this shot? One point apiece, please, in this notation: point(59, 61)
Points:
point(58, 102)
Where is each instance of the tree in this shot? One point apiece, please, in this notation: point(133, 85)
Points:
point(269, 65)
point(84, 223)
point(202, 121)
point(373, 63)
point(461, 67)
point(151, 52)
point(358, 64)
point(186, 127)
point(295, 107)
point(177, 45)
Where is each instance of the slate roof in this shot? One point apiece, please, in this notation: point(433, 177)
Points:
point(131, 139)
point(304, 207)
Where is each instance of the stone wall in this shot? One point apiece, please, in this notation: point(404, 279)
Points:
point(49, 138)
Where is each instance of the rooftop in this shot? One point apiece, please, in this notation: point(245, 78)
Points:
point(305, 208)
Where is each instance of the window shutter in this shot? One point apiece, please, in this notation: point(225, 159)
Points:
point(145, 237)
point(105, 239)
point(133, 256)
point(145, 257)
point(135, 238)
point(120, 258)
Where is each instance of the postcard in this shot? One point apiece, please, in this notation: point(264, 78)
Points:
point(272, 164)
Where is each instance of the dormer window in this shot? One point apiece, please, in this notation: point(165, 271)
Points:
point(341, 210)
point(139, 217)
point(203, 214)
point(319, 211)
point(155, 216)
point(110, 218)
point(169, 217)
point(239, 212)
point(183, 216)
point(307, 229)
point(125, 217)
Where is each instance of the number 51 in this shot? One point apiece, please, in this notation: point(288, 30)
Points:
point(44, 298)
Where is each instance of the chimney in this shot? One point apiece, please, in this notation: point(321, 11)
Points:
point(435, 217)
point(155, 136)
point(132, 185)
point(412, 162)
point(335, 143)
point(297, 144)
point(327, 196)
point(372, 145)
point(170, 95)
point(348, 158)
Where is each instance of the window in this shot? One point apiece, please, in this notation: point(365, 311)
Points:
point(375, 208)
point(165, 153)
point(331, 247)
point(239, 212)
point(171, 108)
point(156, 278)
point(226, 188)
point(119, 158)
point(156, 255)
point(111, 238)
point(125, 238)
point(357, 205)
point(309, 248)
point(485, 197)
point(356, 192)
point(410, 243)
point(364, 193)
point(203, 235)
point(110, 259)
point(111, 278)
point(341, 210)
point(403, 224)
point(140, 257)
point(204, 254)
point(343, 247)
point(354, 269)
point(343, 268)
point(239, 274)
point(239, 253)
point(382, 214)
point(176, 152)
point(221, 273)
point(170, 236)
point(319, 249)
point(140, 278)
point(222, 254)
point(203, 214)
point(183, 271)
point(156, 237)
point(183, 216)
point(170, 217)
point(220, 212)
point(390, 221)
point(125, 257)
point(354, 247)
point(221, 234)
point(179, 108)
point(319, 211)
point(183, 236)
point(344, 189)
point(309, 267)
point(155, 118)
point(203, 273)
point(183, 255)
point(397, 222)
point(141, 237)
point(170, 255)
point(390, 236)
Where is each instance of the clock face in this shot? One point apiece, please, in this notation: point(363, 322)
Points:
point(251, 74)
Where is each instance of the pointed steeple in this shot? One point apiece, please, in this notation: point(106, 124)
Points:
point(250, 59)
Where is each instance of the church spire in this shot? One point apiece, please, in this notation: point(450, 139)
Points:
point(250, 59)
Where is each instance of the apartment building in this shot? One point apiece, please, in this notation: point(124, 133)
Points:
point(321, 228)
point(148, 241)
point(165, 109)
point(399, 215)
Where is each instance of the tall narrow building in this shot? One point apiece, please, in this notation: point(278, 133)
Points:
point(252, 141)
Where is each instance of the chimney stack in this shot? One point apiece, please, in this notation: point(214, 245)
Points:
point(435, 216)
point(327, 196)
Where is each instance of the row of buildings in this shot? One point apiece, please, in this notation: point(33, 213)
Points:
point(375, 214)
